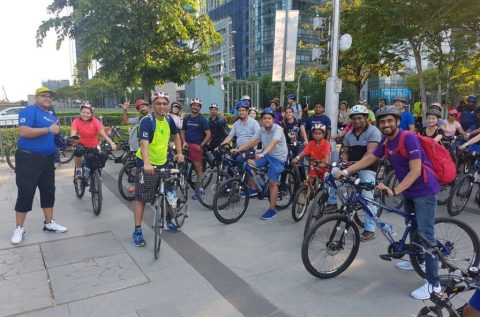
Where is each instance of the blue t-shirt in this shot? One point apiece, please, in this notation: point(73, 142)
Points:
point(475, 300)
point(469, 118)
point(322, 119)
point(406, 120)
point(195, 128)
point(35, 117)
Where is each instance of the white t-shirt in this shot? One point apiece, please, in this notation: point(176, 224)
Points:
point(451, 128)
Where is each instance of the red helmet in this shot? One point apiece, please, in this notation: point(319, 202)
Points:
point(140, 102)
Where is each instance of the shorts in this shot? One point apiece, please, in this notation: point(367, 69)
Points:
point(318, 172)
point(196, 153)
point(81, 149)
point(275, 167)
point(146, 191)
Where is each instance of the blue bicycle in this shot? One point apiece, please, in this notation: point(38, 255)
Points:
point(332, 244)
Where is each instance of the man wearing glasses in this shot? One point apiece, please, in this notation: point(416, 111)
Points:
point(35, 162)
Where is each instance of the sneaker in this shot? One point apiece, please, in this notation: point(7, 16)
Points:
point(172, 228)
point(407, 265)
point(424, 291)
point(137, 238)
point(78, 173)
point(367, 235)
point(250, 192)
point(18, 234)
point(201, 192)
point(269, 214)
point(52, 226)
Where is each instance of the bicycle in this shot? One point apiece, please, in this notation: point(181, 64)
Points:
point(91, 171)
point(460, 193)
point(337, 238)
point(452, 285)
point(224, 167)
point(231, 192)
point(171, 183)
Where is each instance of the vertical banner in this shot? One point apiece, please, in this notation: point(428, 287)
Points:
point(290, 47)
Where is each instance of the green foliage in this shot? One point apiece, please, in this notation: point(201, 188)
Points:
point(140, 43)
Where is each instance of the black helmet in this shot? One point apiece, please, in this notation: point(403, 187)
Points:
point(389, 110)
point(434, 112)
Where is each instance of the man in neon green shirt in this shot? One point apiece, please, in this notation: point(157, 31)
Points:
point(155, 132)
point(417, 113)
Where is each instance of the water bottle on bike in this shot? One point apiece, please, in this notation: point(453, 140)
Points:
point(388, 228)
point(86, 175)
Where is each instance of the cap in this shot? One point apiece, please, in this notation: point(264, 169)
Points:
point(472, 99)
point(453, 112)
point(44, 89)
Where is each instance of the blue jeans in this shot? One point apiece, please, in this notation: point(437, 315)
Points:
point(368, 176)
point(424, 208)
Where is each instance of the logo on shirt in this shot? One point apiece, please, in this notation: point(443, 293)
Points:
point(145, 134)
point(23, 120)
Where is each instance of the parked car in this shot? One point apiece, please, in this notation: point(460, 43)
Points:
point(9, 116)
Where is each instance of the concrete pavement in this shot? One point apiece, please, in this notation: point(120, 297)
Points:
point(251, 268)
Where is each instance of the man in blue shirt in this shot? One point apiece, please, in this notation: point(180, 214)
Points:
point(407, 122)
point(319, 118)
point(469, 117)
point(35, 162)
point(196, 133)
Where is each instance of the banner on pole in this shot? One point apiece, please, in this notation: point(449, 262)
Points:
point(279, 45)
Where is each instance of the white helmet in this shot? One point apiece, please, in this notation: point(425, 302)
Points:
point(246, 97)
point(359, 109)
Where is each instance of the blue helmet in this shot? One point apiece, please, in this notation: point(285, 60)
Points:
point(472, 99)
point(268, 111)
point(242, 104)
point(292, 96)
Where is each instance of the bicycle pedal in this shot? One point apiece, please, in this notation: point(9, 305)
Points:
point(386, 257)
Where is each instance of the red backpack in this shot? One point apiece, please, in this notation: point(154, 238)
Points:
point(442, 164)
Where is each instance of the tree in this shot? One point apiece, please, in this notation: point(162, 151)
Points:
point(141, 43)
point(406, 25)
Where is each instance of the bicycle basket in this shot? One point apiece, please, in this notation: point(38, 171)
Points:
point(96, 160)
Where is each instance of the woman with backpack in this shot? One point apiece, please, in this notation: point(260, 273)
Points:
point(432, 130)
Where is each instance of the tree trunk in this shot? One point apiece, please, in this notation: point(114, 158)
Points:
point(439, 85)
point(146, 90)
point(358, 89)
point(421, 81)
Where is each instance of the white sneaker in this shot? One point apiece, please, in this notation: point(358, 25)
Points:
point(424, 291)
point(407, 265)
point(54, 227)
point(18, 234)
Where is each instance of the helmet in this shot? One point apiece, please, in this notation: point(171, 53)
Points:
point(436, 106)
point(318, 126)
point(388, 110)
point(213, 105)
point(197, 101)
point(453, 112)
point(268, 111)
point(275, 101)
point(344, 102)
point(245, 97)
point(359, 109)
point(88, 106)
point(292, 96)
point(140, 102)
point(159, 94)
point(434, 112)
point(253, 109)
point(242, 104)
point(176, 104)
point(472, 99)
point(400, 98)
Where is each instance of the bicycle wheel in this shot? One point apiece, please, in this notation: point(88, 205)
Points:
point(181, 211)
point(79, 184)
point(315, 210)
point(430, 311)
point(330, 246)
point(228, 196)
point(468, 165)
point(192, 177)
point(126, 181)
point(10, 151)
point(459, 195)
point(213, 179)
point(391, 181)
point(66, 154)
point(159, 224)
point(458, 242)
point(96, 190)
point(300, 203)
point(286, 190)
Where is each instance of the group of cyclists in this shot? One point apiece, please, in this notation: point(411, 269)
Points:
point(279, 132)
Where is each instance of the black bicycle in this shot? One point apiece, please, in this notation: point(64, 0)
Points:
point(90, 176)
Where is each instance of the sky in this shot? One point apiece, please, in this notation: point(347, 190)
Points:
point(23, 66)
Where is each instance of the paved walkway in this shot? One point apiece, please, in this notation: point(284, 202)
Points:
point(251, 268)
